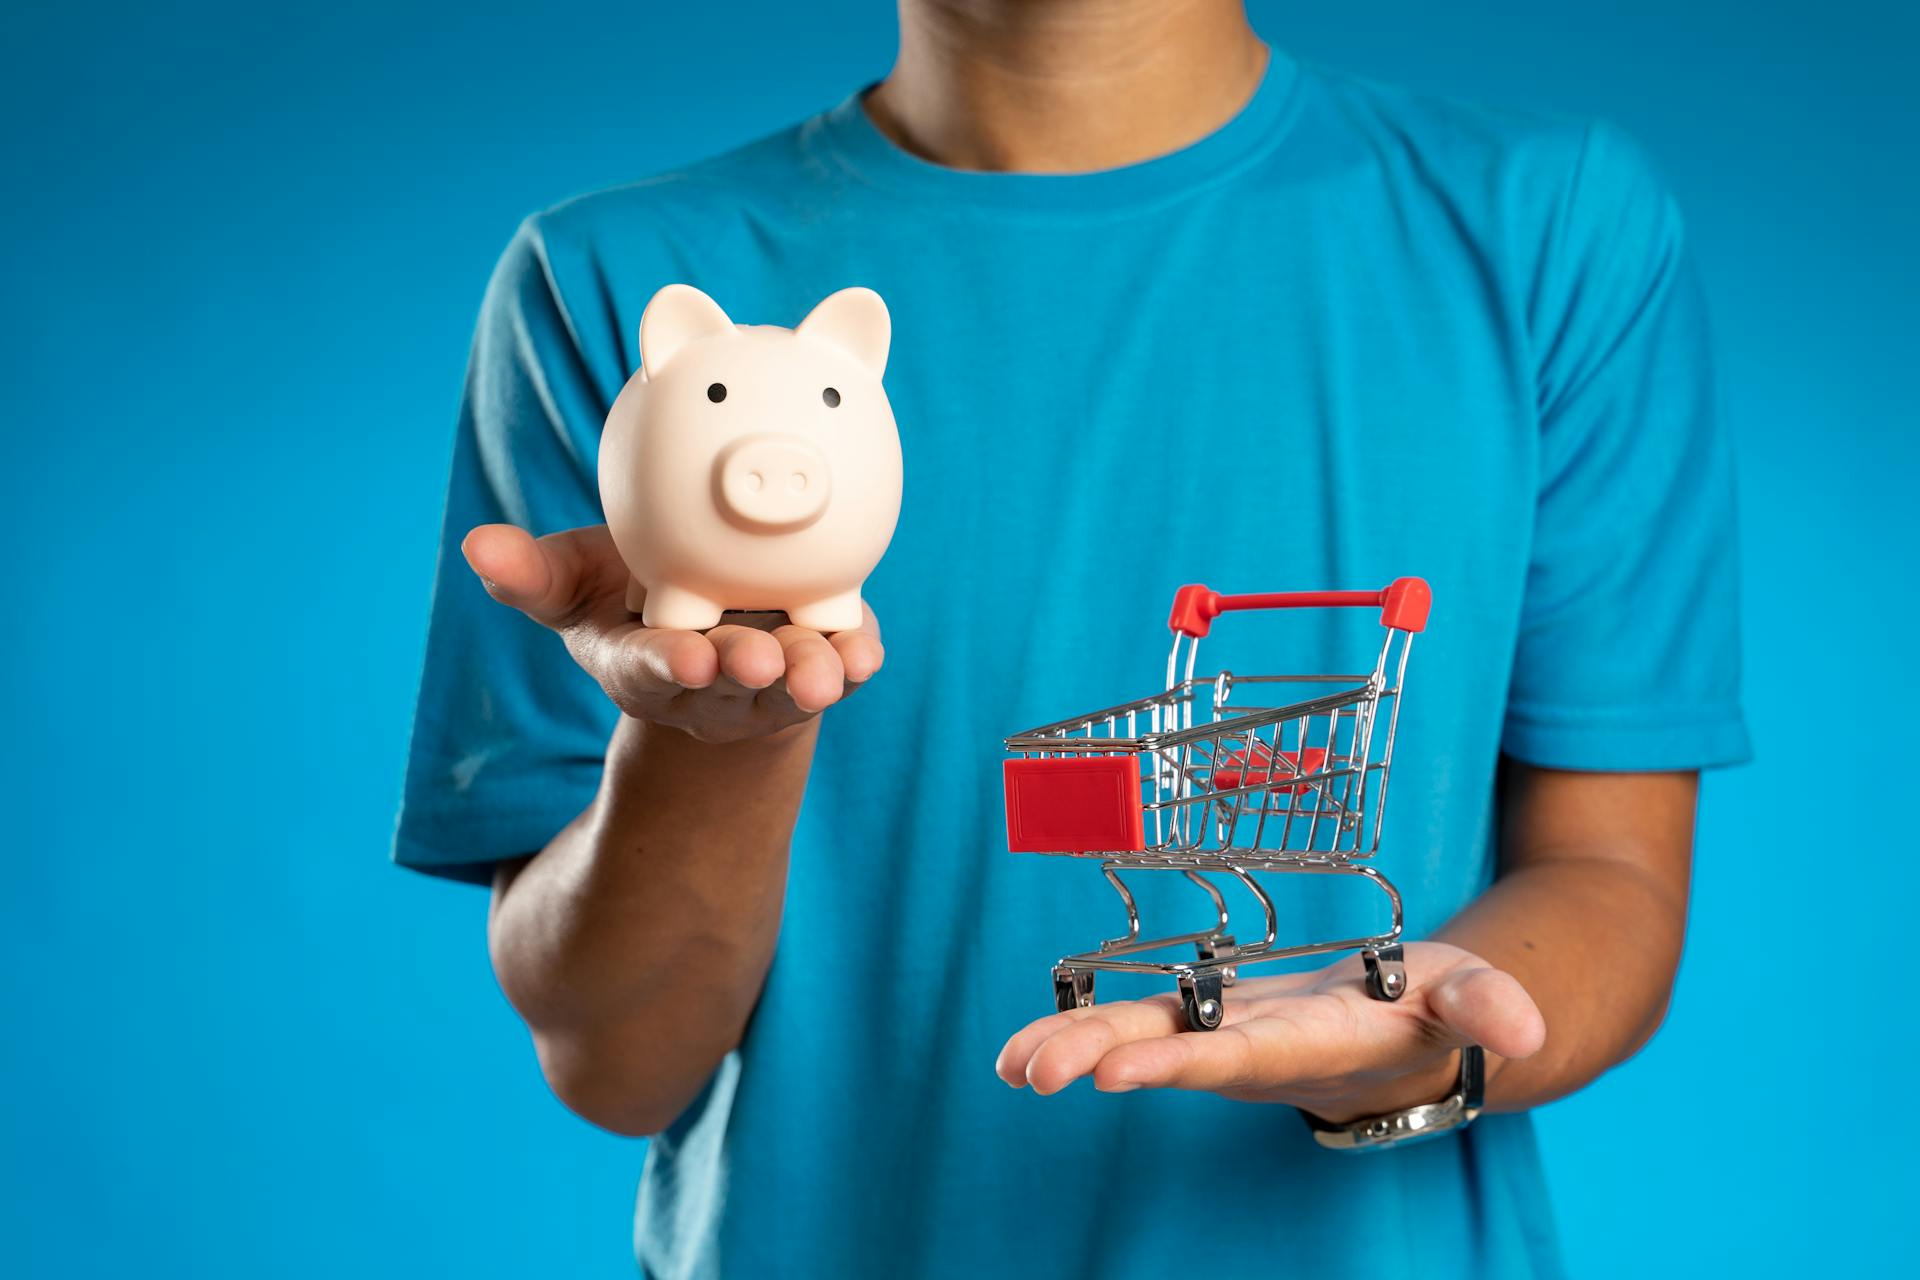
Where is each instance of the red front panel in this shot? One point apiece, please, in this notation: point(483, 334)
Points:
point(1074, 804)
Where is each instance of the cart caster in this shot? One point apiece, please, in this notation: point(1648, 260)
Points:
point(1072, 988)
point(1386, 971)
point(1201, 1000)
point(1216, 947)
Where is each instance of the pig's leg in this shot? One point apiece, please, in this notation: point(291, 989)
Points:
point(636, 595)
point(835, 613)
point(678, 609)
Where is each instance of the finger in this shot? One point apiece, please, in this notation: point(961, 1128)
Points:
point(860, 650)
point(1488, 1007)
point(748, 656)
point(861, 654)
point(1250, 998)
point(1011, 1065)
point(1214, 1060)
point(815, 679)
point(549, 578)
point(1075, 1050)
point(1267, 1052)
point(637, 663)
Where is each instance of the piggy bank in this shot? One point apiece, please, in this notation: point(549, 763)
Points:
point(750, 466)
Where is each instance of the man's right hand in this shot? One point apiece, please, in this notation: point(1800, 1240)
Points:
point(684, 848)
point(739, 680)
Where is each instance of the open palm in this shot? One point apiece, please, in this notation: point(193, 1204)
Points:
point(747, 678)
point(1312, 1040)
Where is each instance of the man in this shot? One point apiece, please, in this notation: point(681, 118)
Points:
point(1168, 306)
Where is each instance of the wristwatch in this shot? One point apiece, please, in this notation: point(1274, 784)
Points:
point(1396, 1128)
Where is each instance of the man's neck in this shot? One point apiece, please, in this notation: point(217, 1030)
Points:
point(1064, 86)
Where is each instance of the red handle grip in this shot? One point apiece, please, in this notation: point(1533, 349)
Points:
point(1403, 604)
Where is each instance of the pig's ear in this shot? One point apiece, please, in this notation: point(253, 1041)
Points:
point(856, 321)
point(678, 314)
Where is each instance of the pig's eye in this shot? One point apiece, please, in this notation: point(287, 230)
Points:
point(717, 392)
point(832, 398)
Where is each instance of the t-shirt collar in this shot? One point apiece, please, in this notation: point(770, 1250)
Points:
point(848, 136)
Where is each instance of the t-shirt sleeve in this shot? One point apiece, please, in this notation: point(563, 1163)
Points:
point(509, 735)
point(1628, 655)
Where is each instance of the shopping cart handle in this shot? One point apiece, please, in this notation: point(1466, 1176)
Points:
point(1403, 604)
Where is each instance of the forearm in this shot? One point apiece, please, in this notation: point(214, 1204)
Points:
point(1596, 948)
point(1588, 924)
point(636, 943)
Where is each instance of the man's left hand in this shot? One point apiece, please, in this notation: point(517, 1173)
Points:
point(1312, 1040)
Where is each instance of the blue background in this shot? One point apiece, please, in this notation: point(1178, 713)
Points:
point(243, 248)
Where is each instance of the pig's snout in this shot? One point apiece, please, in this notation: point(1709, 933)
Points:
point(771, 482)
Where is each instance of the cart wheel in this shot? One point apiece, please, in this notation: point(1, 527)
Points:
point(1386, 971)
point(1216, 947)
point(1200, 999)
point(1072, 988)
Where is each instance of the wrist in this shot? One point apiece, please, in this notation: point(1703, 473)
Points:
point(663, 777)
point(660, 743)
point(1422, 1084)
point(1459, 1107)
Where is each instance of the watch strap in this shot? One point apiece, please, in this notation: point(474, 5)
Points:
point(1410, 1124)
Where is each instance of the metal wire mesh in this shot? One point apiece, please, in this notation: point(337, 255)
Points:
point(1249, 769)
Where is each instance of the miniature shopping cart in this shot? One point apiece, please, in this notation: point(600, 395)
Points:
point(1226, 774)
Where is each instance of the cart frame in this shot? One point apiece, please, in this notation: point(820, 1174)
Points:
point(1250, 788)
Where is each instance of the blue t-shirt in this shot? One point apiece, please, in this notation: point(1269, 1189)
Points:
point(1354, 334)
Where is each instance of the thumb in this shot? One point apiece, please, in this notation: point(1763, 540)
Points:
point(539, 577)
point(1490, 1008)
